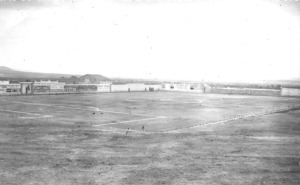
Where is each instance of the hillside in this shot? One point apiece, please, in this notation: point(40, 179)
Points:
point(13, 75)
point(4, 69)
point(17, 76)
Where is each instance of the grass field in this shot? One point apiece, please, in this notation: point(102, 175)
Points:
point(128, 138)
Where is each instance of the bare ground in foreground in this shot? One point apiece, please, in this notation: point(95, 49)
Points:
point(259, 150)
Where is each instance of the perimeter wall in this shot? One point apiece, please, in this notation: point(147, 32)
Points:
point(290, 92)
point(255, 92)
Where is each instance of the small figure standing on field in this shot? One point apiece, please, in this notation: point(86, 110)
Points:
point(127, 131)
point(143, 128)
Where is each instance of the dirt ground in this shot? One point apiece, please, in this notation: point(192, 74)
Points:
point(98, 139)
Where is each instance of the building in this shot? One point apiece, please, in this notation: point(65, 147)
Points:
point(26, 88)
point(290, 91)
point(4, 82)
point(6, 87)
point(48, 86)
point(206, 88)
point(94, 82)
point(166, 86)
point(70, 88)
point(104, 87)
point(176, 86)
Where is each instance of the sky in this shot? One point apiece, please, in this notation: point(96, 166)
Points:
point(212, 40)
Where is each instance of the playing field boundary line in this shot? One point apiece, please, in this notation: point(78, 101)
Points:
point(255, 114)
point(116, 112)
point(130, 121)
point(165, 100)
point(29, 113)
point(123, 131)
point(52, 105)
point(96, 109)
point(39, 117)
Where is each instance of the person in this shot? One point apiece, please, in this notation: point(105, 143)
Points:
point(143, 127)
point(127, 131)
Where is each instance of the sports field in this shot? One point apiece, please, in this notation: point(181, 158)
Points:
point(148, 138)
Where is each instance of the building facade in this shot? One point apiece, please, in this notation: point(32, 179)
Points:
point(10, 88)
point(4, 82)
point(48, 86)
point(290, 91)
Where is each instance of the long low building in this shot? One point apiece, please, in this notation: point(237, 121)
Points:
point(87, 87)
point(246, 91)
point(185, 87)
point(56, 87)
point(10, 88)
point(290, 91)
point(48, 86)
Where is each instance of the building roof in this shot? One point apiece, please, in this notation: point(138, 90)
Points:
point(96, 77)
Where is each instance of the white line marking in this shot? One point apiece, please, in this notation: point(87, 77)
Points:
point(51, 105)
point(130, 121)
point(116, 112)
point(79, 108)
point(189, 102)
point(29, 113)
point(123, 131)
point(3, 110)
point(255, 114)
point(132, 100)
point(166, 100)
point(39, 117)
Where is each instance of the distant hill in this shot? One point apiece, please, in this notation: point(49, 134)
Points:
point(16, 76)
point(85, 79)
point(94, 78)
point(4, 69)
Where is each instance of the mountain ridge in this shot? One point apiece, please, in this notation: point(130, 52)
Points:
point(8, 73)
point(12, 75)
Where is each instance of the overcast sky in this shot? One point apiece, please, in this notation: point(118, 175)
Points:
point(224, 40)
